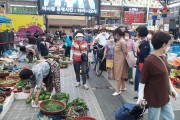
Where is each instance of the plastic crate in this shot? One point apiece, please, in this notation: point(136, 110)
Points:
point(176, 49)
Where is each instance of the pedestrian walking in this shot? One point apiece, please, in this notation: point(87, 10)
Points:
point(78, 50)
point(155, 86)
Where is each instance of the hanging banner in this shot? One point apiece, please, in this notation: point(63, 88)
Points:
point(133, 3)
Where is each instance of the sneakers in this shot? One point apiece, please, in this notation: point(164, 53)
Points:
point(85, 87)
point(78, 84)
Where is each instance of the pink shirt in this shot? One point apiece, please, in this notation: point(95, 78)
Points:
point(130, 45)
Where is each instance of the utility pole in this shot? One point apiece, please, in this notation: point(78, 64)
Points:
point(6, 3)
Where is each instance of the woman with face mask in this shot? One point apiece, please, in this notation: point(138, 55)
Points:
point(143, 50)
point(155, 86)
point(108, 55)
point(79, 47)
point(130, 47)
point(120, 67)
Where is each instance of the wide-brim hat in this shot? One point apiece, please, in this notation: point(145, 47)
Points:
point(79, 35)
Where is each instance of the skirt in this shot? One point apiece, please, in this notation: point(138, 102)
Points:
point(109, 63)
point(53, 78)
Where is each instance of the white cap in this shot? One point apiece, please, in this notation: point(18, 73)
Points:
point(79, 35)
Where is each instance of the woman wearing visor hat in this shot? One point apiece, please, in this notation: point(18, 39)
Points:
point(78, 48)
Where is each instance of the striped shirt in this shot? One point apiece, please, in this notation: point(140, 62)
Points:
point(77, 52)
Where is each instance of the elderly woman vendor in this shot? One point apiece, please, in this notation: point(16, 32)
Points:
point(47, 72)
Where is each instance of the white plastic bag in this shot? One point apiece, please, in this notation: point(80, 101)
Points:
point(131, 60)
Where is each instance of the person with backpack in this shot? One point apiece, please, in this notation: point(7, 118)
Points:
point(67, 42)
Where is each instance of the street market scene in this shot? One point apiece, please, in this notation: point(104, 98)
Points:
point(89, 59)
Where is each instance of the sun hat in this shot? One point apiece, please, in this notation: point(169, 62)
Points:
point(79, 35)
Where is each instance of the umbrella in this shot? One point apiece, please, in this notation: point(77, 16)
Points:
point(4, 19)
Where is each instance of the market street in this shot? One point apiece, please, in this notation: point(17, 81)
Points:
point(99, 98)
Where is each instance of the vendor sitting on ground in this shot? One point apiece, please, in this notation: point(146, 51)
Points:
point(47, 72)
point(29, 52)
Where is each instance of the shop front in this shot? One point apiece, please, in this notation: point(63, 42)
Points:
point(66, 23)
point(110, 15)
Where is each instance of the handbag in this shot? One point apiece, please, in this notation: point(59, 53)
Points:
point(131, 60)
point(84, 57)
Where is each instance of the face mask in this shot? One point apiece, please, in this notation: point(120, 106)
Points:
point(79, 38)
point(149, 37)
point(167, 49)
point(111, 40)
point(103, 33)
point(126, 38)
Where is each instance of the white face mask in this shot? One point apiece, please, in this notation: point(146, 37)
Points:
point(149, 37)
point(103, 33)
point(126, 38)
point(79, 38)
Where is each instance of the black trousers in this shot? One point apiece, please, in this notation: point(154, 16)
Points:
point(80, 66)
point(67, 51)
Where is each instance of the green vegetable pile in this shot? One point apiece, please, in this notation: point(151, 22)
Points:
point(44, 95)
point(22, 83)
point(63, 97)
point(52, 106)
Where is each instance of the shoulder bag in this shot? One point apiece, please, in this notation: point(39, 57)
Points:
point(170, 92)
point(84, 57)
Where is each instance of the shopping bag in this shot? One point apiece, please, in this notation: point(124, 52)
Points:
point(131, 60)
point(140, 66)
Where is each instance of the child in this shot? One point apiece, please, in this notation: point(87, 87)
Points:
point(109, 54)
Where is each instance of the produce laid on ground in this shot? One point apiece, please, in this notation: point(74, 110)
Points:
point(64, 62)
point(5, 91)
point(2, 98)
point(176, 62)
point(22, 85)
point(73, 109)
point(7, 83)
point(4, 74)
point(175, 77)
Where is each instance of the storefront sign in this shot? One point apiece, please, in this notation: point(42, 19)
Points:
point(110, 14)
point(133, 3)
point(23, 10)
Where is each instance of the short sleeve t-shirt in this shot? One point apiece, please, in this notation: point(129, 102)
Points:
point(40, 71)
point(110, 51)
point(102, 38)
point(156, 79)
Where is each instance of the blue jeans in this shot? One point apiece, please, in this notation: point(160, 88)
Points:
point(137, 79)
point(166, 111)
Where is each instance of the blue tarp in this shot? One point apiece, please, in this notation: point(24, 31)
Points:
point(4, 19)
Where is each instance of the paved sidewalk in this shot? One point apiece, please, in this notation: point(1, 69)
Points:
point(20, 111)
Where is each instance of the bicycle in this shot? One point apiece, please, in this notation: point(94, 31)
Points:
point(98, 54)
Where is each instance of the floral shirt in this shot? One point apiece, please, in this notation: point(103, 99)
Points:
point(40, 71)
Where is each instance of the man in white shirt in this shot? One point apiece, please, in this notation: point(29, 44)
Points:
point(102, 38)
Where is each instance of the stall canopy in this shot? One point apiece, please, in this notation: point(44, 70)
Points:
point(4, 20)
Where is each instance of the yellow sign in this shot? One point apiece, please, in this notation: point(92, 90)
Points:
point(22, 23)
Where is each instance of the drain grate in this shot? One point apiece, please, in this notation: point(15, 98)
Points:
point(102, 87)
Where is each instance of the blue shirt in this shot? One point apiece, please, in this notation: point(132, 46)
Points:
point(88, 38)
point(68, 41)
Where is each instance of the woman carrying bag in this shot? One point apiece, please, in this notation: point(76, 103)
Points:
point(79, 58)
point(155, 86)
